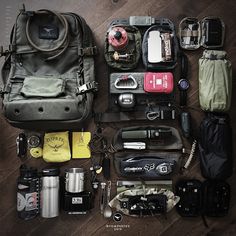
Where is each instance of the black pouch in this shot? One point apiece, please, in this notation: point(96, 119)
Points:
point(146, 165)
point(215, 147)
point(216, 198)
point(210, 198)
point(135, 148)
point(149, 205)
point(208, 33)
point(190, 193)
point(168, 47)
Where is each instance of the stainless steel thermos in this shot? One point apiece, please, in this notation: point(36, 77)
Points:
point(50, 193)
point(28, 193)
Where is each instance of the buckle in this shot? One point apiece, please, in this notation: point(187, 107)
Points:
point(3, 92)
point(88, 87)
point(89, 51)
point(6, 52)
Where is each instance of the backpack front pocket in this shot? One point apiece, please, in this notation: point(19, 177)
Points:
point(46, 87)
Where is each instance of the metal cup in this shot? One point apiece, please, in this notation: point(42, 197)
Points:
point(74, 180)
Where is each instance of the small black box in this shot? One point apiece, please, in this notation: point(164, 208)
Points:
point(78, 203)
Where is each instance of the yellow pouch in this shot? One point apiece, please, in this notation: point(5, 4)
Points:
point(56, 147)
point(80, 148)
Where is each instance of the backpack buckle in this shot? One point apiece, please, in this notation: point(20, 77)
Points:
point(88, 87)
point(3, 52)
point(89, 51)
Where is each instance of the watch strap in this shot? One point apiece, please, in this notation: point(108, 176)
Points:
point(183, 98)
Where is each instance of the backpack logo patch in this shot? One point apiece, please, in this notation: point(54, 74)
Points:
point(48, 32)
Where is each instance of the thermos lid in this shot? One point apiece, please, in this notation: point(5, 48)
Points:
point(28, 172)
point(50, 172)
point(74, 170)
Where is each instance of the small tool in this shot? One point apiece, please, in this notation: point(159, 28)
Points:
point(21, 145)
point(134, 145)
point(122, 57)
point(106, 166)
point(108, 211)
point(103, 197)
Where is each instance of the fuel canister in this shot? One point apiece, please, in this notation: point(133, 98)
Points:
point(118, 38)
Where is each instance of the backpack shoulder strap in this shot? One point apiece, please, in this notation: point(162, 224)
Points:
point(88, 47)
point(87, 51)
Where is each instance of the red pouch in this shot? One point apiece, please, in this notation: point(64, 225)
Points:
point(158, 82)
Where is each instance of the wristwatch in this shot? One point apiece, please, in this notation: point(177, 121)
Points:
point(183, 83)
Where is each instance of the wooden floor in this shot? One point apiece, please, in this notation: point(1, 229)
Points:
point(98, 14)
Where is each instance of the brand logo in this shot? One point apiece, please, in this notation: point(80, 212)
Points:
point(21, 186)
point(55, 143)
point(48, 32)
point(149, 167)
point(117, 217)
point(77, 200)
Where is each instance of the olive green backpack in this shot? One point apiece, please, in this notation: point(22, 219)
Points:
point(48, 75)
point(215, 81)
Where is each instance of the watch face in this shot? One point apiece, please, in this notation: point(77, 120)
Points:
point(183, 84)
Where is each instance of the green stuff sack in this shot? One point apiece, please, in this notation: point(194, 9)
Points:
point(56, 147)
point(215, 81)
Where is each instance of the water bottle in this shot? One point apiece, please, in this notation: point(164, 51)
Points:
point(50, 193)
point(28, 193)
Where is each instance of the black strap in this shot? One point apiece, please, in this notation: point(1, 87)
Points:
point(183, 98)
point(109, 117)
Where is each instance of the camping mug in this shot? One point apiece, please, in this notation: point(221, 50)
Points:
point(74, 180)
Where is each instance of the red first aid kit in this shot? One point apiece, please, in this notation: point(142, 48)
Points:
point(162, 82)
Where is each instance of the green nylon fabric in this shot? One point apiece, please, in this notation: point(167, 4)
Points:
point(215, 81)
point(42, 93)
point(42, 87)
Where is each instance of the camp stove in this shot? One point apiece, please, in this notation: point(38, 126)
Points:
point(118, 38)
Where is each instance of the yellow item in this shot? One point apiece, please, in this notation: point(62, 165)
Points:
point(36, 152)
point(56, 147)
point(80, 148)
point(99, 171)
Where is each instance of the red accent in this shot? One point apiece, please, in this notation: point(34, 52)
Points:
point(115, 43)
point(158, 82)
